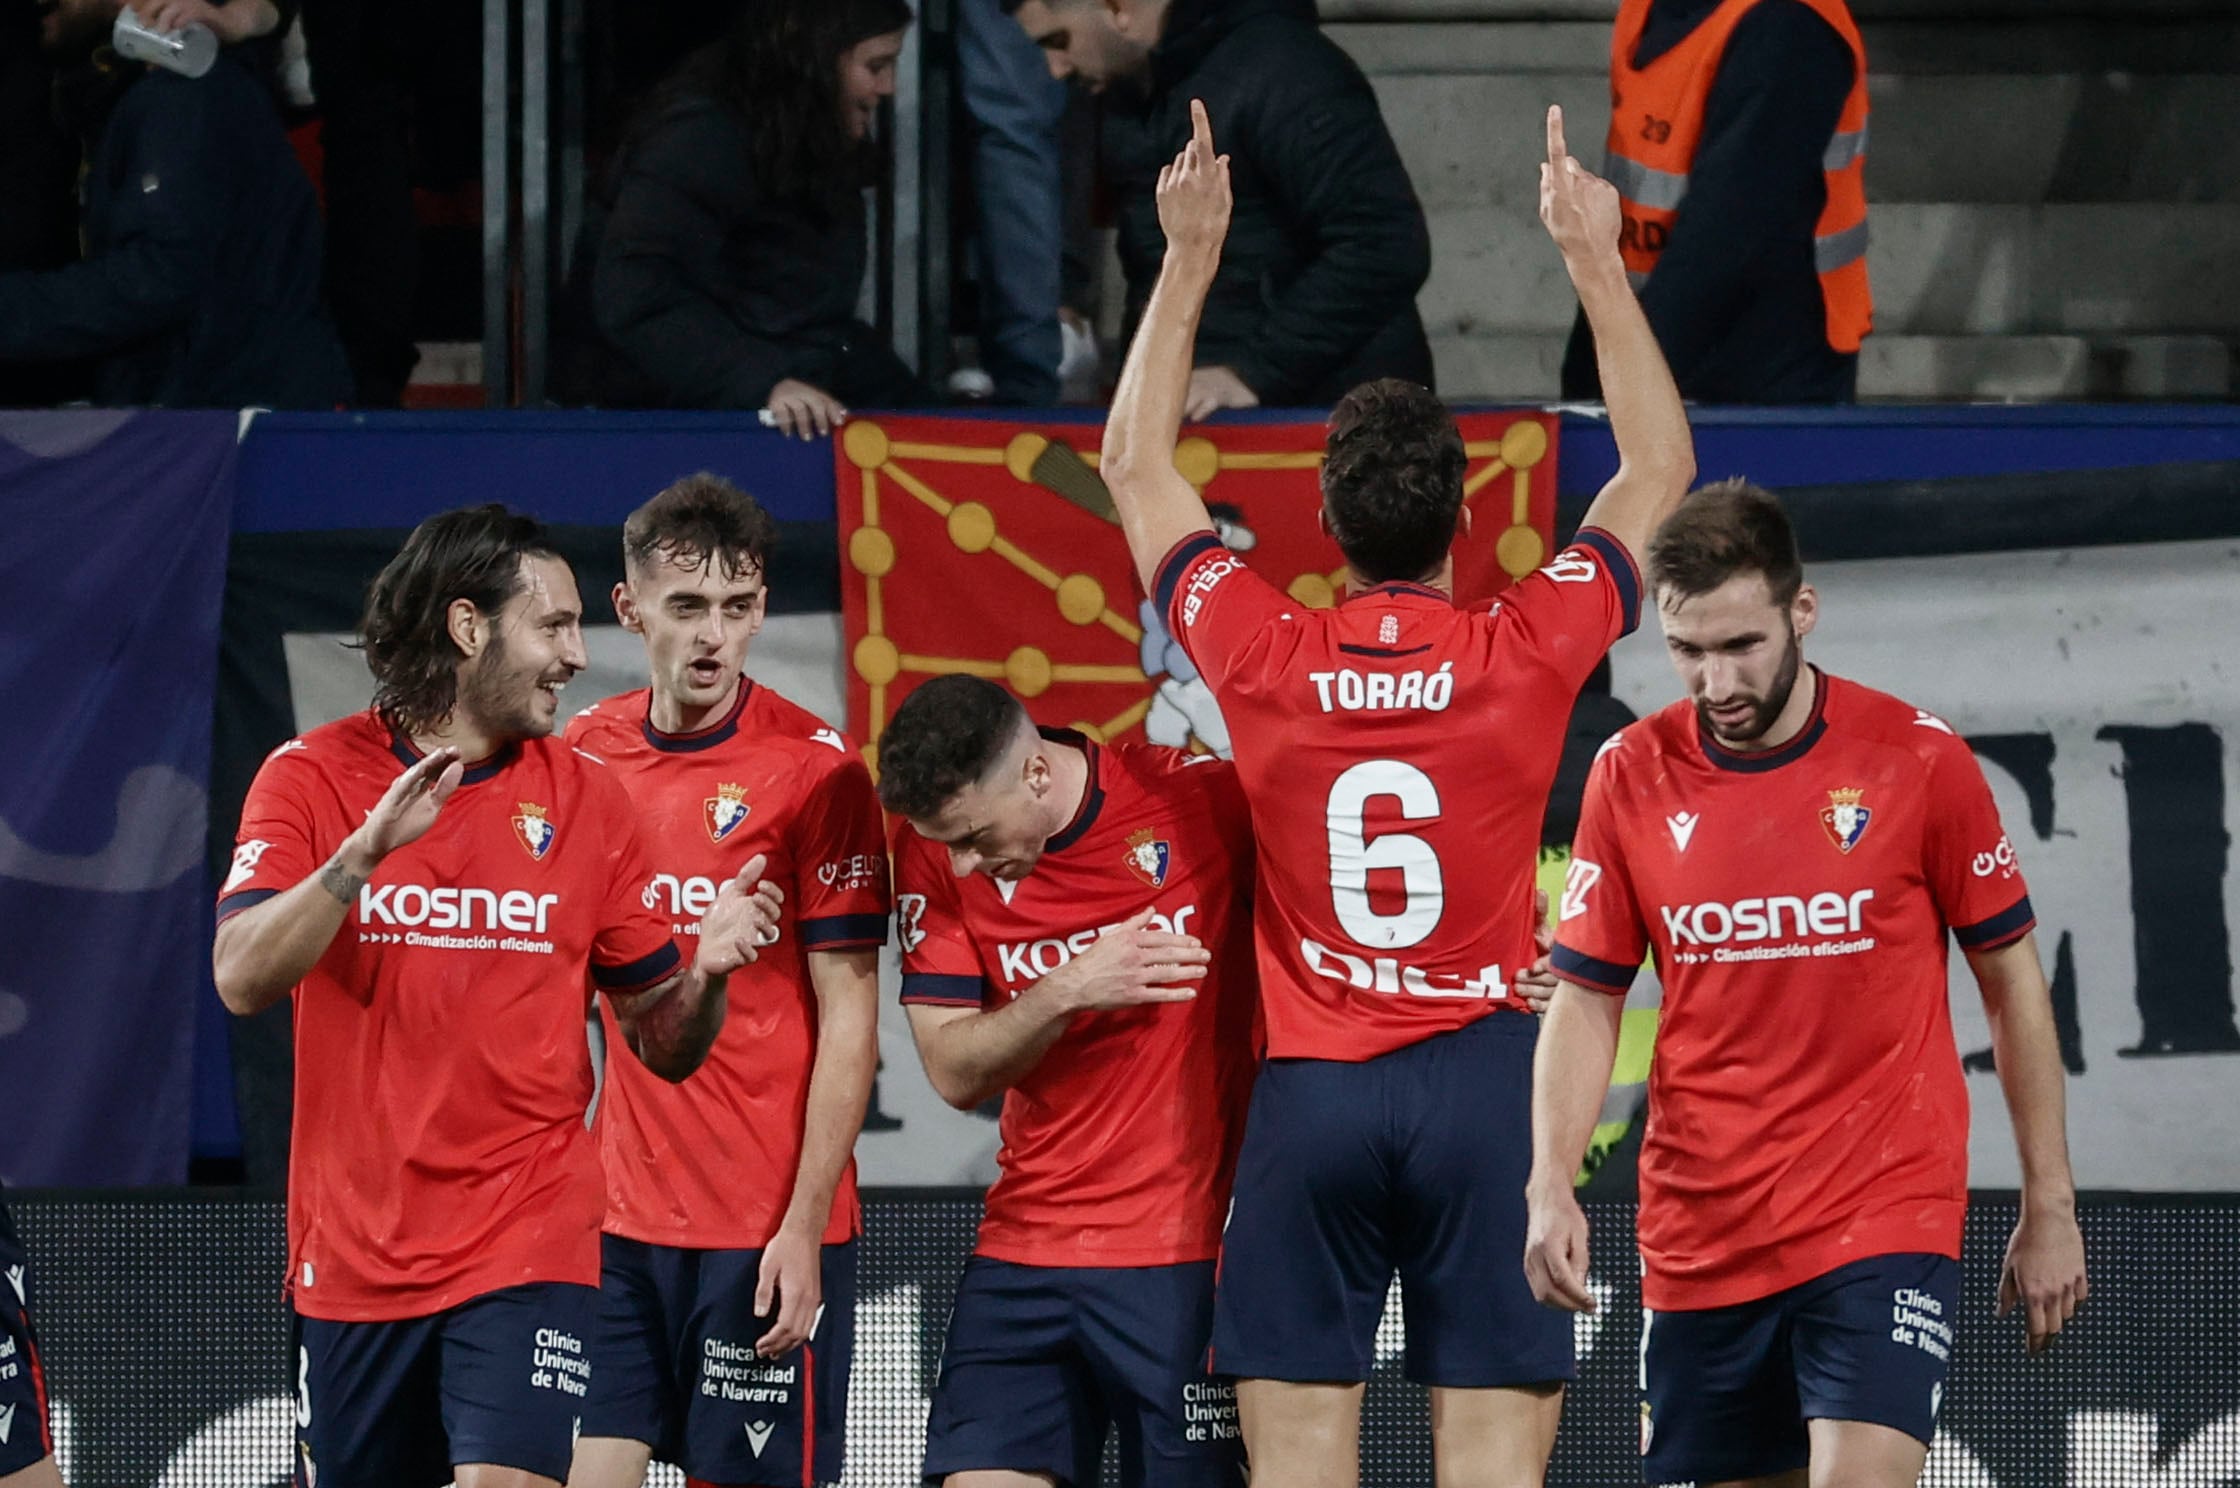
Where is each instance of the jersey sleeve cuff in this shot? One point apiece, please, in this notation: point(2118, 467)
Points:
point(1611, 978)
point(233, 904)
point(2002, 929)
point(1167, 577)
point(843, 932)
point(636, 976)
point(932, 989)
point(1624, 572)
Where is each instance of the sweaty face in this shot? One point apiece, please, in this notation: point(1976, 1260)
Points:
point(512, 688)
point(1078, 41)
point(995, 827)
point(866, 76)
point(698, 618)
point(1738, 652)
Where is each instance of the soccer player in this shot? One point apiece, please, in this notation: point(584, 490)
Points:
point(1074, 939)
point(1398, 751)
point(1794, 849)
point(26, 1437)
point(437, 880)
point(727, 1299)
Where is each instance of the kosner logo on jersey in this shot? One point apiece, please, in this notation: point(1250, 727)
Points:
point(1025, 960)
point(1778, 917)
point(448, 907)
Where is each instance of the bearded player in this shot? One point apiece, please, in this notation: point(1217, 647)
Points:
point(727, 1303)
point(1074, 939)
point(437, 880)
point(1794, 849)
point(1398, 751)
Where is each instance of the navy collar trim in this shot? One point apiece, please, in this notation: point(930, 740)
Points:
point(408, 755)
point(1395, 588)
point(1758, 761)
point(1092, 795)
point(699, 739)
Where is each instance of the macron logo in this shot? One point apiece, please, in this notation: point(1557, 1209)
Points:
point(1683, 825)
point(7, 1422)
point(1922, 718)
point(15, 1280)
point(758, 1435)
point(831, 739)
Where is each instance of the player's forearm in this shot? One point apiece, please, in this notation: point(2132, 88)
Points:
point(846, 1061)
point(1656, 452)
point(260, 954)
point(1570, 1074)
point(972, 1060)
point(1157, 506)
point(672, 1027)
point(2026, 1045)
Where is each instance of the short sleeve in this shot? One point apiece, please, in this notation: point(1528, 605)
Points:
point(278, 844)
point(940, 964)
point(841, 885)
point(1214, 604)
point(1600, 936)
point(1969, 860)
point(1573, 610)
point(636, 946)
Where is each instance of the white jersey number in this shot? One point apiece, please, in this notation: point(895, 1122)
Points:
point(1353, 855)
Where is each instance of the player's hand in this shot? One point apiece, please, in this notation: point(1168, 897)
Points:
point(1555, 1247)
point(409, 806)
point(792, 1281)
point(2044, 1272)
point(743, 919)
point(1213, 389)
point(231, 24)
point(797, 408)
point(1536, 985)
point(1130, 965)
point(1194, 193)
point(1578, 207)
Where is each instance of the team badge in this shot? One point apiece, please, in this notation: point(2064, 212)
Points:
point(533, 830)
point(1149, 858)
point(1388, 631)
point(725, 810)
point(1845, 819)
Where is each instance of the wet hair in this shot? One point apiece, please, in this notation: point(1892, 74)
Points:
point(1392, 479)
point(472, 554)
point(946, 735)
point(1726, 528)
point(700, 521)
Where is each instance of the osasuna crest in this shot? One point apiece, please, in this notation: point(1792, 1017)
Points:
point(534, 831)
point(725, 810)
point(1149, 858)
point(1845, 819)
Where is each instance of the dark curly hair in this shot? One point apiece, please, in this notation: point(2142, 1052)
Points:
point(1726, 528)
point(944, 737)
point(473, 554)
point(778, 68)
point(1392, 479)
point(700, 520)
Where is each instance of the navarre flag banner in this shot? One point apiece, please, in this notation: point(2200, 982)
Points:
point(991, 547)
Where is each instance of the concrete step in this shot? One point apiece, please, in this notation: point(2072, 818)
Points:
point(1498, 367)
point(1937, 270)
point(1474, 137)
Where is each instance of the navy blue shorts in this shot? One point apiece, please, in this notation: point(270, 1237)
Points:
point(24, 1432)
point(1728, 1389)
point(499, 1378)
point(1413, 1162)
point(1042, 1361)
point(674, 1346)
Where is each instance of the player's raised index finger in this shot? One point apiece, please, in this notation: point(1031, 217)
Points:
point(751, 870)
point(1201, 127)
point(1556, 151)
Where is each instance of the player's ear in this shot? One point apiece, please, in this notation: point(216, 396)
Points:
point(1462, 522)
point(1804, 610)
point(626, 608)
point(1322, 520)
point(468, 626)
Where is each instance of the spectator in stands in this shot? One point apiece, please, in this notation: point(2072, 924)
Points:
point(200, 281)
point(724, 262)
point(1739, 144)
point(1327, 245)
point(1017, 108)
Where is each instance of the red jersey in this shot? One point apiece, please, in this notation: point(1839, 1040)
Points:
point(1398, 751)
point(1806, 1105)
point(1119, 1146)
point(442, 1072)
point(710, 1163)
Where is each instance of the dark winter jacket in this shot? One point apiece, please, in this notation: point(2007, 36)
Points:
point(695, 289)
point(200, 284)
point(1327, 245)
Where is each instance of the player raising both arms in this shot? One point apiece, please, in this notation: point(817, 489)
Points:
point(1794, 848)
point(27, 1443)
point(727, 1303)
point(437, 879)
point(1073, 939)
point(1398, 752)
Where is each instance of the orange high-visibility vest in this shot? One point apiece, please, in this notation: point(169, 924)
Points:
point(1656, 122)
